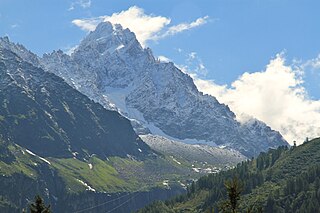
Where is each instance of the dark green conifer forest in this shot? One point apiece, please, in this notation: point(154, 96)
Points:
point(281, 180)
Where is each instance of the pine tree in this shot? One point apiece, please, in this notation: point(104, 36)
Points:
point(39, 206)
point(294, 144)
point(234, 189)
point(270, 204)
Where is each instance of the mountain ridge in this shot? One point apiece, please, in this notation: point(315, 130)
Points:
point(113, 69)
point(54, 110)
point(32, 96)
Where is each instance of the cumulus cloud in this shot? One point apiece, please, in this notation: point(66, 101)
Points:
point(146, 26)
point(275, 95)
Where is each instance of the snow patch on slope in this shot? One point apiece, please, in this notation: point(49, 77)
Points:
point(41, 158)
point(89, 188)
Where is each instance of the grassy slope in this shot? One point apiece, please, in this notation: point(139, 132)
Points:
point(102, 176)
point(23, 163)
point(111, 175)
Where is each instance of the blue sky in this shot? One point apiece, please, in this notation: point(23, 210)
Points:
point(241, 36)
point(235, 37)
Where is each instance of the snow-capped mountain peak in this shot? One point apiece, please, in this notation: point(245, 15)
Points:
point(108, 38)
point(112, 68)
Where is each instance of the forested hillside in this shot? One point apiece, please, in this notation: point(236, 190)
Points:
point(281, 180)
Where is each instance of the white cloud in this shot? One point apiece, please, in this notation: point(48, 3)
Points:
point(202, 67)
point(85, 3)
point(82, 3)
point(146, 26)
point(192, 55)
point(193, 65)
point(313, 63)
point(184, 26)
point(70, 49)
point(209, 86)
point(275, 96)
point(87, 24)
point(164, 59)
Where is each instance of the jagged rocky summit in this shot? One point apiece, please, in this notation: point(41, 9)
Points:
point(112, 68)
point(41, 112)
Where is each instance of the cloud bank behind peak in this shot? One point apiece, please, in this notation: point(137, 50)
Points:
point(275, 95)
point(147, 27)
